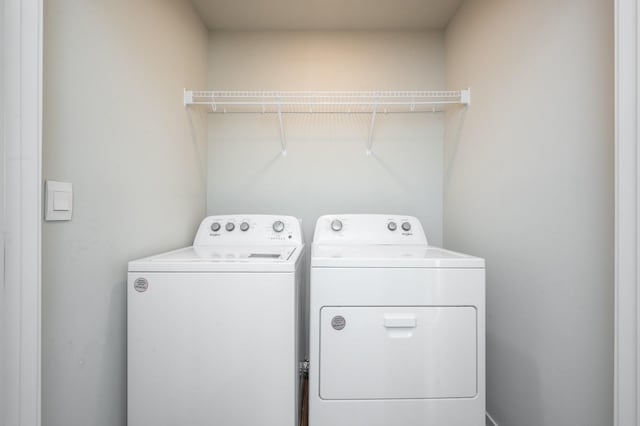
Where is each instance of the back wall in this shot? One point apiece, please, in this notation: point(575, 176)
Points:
point(326, 169)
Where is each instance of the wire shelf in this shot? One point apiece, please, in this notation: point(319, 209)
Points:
point(326, 102)
point(338, 102)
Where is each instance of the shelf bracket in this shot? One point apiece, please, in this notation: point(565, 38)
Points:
point(372, 125)
point(465, 97)
point(188, 98)
point(283, 140)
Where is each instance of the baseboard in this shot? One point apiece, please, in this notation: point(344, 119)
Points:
point(490, 421)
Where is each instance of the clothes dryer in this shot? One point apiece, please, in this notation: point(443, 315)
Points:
point(397, 327)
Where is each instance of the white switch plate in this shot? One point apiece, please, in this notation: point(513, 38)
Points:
point(58, 200)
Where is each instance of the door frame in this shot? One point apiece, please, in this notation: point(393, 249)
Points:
point(627, 215)
point(21, 140)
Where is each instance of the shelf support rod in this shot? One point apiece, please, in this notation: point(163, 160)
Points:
point(283, 140)
point(372, 125)
point(212, 106)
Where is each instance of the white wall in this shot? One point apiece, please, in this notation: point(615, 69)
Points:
point(114, 126)
point(529, 185)
point(326, 170)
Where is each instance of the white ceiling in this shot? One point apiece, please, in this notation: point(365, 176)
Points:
point(326, 14)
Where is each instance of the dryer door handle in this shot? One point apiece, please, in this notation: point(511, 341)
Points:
point(405, 321)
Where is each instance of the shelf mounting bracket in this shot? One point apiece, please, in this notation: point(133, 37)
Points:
point(188, 98)
point(372, 125)
point(283, 140)
point(465, 97)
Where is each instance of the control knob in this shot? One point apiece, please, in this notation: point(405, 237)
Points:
point(215, 226)
point(392, 226)
point(244, 226)
point(230, 226)
point(406, 226)
point(278, 226)
point(336, 225)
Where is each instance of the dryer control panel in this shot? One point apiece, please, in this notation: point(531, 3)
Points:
point(369, 229)
point(249, 230)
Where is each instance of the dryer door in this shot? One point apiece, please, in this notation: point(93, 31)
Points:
point(408, 352)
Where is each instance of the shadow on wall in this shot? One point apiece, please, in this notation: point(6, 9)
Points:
point(386, 167)
point(324, 140)
point(257, 176)
point(197, 118)
point(458, 118)
point(520, 371)
point(397, 177)
point(113, 378)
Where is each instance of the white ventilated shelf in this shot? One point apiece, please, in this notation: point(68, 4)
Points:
point(326, 102)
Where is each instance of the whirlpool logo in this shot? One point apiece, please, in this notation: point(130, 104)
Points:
point(141, 285)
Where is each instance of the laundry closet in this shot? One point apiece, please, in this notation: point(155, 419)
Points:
point(490, 121)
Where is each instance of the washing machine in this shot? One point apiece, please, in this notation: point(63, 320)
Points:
point(397, 327)
point(214, 334)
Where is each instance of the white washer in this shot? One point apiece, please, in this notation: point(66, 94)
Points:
point(213, 329)
point(397, 328)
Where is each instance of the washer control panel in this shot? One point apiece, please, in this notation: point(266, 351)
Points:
point(249, 229)
point(369, 229)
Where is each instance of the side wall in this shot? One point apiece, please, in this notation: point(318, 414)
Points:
point(529, 186)
point(115, 127)
point(326, 169)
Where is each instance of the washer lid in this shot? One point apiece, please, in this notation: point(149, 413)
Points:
point(390, 256)
point(238, 258)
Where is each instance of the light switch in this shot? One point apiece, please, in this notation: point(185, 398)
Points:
point(59, 200)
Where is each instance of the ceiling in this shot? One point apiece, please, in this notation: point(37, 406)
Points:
point(254, 15)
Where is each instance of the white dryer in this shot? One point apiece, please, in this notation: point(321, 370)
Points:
point(397, 327)
point(214, 332)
